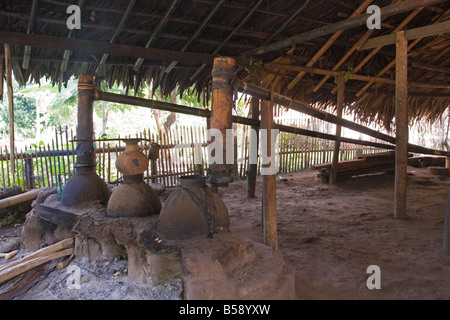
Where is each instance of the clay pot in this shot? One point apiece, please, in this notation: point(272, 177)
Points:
point(193, 211)
point(132, 161)
point(85, 187)
point(133, 198)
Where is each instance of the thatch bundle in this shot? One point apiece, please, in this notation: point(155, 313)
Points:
point(232, 28)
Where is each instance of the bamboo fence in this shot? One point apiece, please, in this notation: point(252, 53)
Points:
point(183, 152)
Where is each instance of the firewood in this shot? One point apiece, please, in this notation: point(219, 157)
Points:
point(63, 244)
point(8, 255)
point(62, 264)
point(11, 272)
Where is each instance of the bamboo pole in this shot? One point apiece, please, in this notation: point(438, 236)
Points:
point(20, 198)
point(401, 124)
point(340, 83)
point(8, 64)
point(269, 197)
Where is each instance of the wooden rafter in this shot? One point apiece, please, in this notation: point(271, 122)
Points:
point(326, 46)
point(368, 57)
point(66, 54)
point(384, 70)
point(404, 6)
point(230, 35)
point(347, 55)
point(430, 67)
point(196, 34)
point(157, 30)
point(27, 50)
point(354, 76)
point(431, 30)
point(118, 30)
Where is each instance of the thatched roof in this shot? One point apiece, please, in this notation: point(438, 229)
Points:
point(232, 28)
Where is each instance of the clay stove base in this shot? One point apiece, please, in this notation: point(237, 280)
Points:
point(227, 266)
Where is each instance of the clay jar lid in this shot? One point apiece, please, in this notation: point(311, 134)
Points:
point(132, 161)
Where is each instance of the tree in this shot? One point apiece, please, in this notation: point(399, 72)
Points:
point(24, 116)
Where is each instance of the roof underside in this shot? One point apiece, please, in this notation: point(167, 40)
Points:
point(234, 28)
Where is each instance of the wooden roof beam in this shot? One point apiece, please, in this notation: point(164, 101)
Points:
point(326, 46)
point(66, 54)
point(430, 67)
point(385, 69)
point(196, 34)
point(161, 25)
point(354, 76)
point(94, 47)
point(27, 51)
point(101, 64)
point(405, 6)
point(230, 35)
point(377, 49)
point(427, 31)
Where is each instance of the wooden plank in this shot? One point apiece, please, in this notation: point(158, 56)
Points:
point(422, 32)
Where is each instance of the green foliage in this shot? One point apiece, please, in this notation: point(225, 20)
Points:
point(24, 115)
point(346, 74)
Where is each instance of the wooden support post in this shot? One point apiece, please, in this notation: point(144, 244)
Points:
point(222, 117)
point(29, 172)
point(8, 64)
point(340, 83)
point(1, 80)
point(446, 242)
point(401, 124)
point(269, 194)
point(252, 169)
point(447, 162)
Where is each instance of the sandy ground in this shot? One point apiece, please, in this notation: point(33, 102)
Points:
point(331, 234)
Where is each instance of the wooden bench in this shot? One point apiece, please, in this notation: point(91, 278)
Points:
point(363, 164)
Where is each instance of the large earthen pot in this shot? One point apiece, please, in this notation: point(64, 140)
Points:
point(193, 211)
point(133, 198)
point(132, 161)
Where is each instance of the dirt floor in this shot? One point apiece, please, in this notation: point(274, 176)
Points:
point(331, 234)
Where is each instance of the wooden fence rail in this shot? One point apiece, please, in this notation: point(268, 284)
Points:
point(183, 152)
